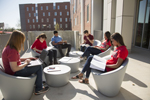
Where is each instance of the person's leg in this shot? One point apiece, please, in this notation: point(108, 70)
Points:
point(28, 71)
point(82, 48)
point(55, 56)
point(50, 54)
point(67, 45)
point(59, 47)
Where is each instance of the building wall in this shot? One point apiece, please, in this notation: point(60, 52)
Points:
point(48, 21)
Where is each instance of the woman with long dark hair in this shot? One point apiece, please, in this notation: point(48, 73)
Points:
point(117, 58)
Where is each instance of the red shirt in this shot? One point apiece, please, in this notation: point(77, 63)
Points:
point(39, 45)
point(87, 41)
point(10, 55)
point(119, 52)
point(104, 44)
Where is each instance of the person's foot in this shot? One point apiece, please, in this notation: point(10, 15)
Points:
point(44, 90)
point(86, 81)
point(55, 62)
point(51, 63)
point(79, 76)
point(67, 55)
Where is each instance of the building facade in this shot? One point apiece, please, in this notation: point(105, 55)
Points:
point(38, 17)
point(131, 18)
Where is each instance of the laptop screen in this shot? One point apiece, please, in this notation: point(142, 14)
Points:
point(43, 55)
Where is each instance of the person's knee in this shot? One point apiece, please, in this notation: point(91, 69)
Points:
point(90, 57)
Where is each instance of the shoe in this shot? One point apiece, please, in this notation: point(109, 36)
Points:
point(81, 58)
point(44, 90)
point(67, 55)
point(51, 63)
point(55, 62)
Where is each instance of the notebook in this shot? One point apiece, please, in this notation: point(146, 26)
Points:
point(98, 63)
point(53, 69)
point(40, 60)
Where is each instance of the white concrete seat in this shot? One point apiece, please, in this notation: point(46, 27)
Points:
point(105, 53)
point(97, 43)
point(16, 87)
point(58, 53)
point(109, 83)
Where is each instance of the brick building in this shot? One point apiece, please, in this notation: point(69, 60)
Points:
point(44, 16)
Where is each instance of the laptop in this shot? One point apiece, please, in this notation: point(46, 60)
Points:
point(40, 60)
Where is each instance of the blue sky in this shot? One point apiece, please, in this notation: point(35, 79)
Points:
point(9, 10)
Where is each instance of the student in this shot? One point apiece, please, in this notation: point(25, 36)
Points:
point(12, 61)
point(117, 58)
point(88, 41)
point(60, 44)
point(40, 44)
point(94, 50)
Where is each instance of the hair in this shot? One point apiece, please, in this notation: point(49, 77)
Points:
point(55, 32)
point(107, 33)
point(86, 31)
point(16, 40)
point(42, 35)
point(118, 38)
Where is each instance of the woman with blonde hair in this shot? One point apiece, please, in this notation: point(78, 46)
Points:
point(12, 61)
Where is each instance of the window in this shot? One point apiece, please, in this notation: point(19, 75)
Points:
point(34, 14)
point(46, 7)
point(42, 20)
point(28, 21)
point(43, 13)
point(58, 7)
point(33, 26)
point(55, 13)
point(36, 20)
point(60, 19)
point(87, 13)
point(49, 25)
point(67, 13)
point(60, 13)
point(49, 13)
point(41, 8)
point(66, 19)
point(32, 8)
point(54, 6)
point(27, 8)
point(65, 6)
point(33, 20)
point(54, 21)
point(47, 20)
point(30, 27)
point(38, 26)
point(66, 25)
point(60, 25)
point(29, 14)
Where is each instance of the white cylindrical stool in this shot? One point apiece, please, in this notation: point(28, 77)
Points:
point(57, 78)
point(73, 63)
point(76, 53)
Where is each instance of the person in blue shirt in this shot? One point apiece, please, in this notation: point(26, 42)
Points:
point(58, 42)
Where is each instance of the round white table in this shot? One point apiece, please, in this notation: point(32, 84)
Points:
point(76, 53)
point(57, 78)
point(73, 63)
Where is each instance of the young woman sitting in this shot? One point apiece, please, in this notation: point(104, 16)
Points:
point(117, 58)
point(94, 50)
point(40, 44)
point(12, 61)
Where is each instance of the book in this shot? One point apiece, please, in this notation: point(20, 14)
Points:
point(98, 63)
point(65, 59)
point(78, 53)
point(49, 48)
point(53, 69)
point(86, 45)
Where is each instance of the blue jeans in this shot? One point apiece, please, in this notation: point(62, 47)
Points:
point(91, 50)
point(28, 71)
point(86, 67)
point(83, 48)
point(52, 54)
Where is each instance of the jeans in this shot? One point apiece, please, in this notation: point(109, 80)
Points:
point(28, 71)
point(91, 50)
point(82, 48)
point(51, 54)
point(62, 46)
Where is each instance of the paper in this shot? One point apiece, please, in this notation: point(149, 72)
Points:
point(98, 63)
point(86, 45)
point(78, 53)
point(53, 69)
point(34, 63)
point(49, 48)
point(65, 59)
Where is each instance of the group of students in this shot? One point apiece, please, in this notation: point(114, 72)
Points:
point(13, 66)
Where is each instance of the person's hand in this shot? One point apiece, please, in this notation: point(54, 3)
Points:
point(65, 41)
point(88, 38)
point(27, 61)
point(32, 58)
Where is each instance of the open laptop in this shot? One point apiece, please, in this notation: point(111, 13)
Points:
point(40, 60)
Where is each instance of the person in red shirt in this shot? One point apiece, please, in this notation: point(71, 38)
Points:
point(88, 41)
point(40, 44)
point(94, 50)
point(12, 61)
point(117, 58)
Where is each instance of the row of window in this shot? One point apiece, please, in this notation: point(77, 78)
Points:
point(54, 7)
point(49, 26)
point(55, 13)
point(42, 20)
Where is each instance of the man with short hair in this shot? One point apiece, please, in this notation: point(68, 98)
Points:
point(58, 42)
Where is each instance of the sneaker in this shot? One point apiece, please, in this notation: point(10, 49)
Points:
point(44, 90)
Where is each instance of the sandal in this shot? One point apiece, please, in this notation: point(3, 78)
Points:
point(86, 81)
point(77, 77)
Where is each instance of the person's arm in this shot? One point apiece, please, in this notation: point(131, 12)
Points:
point(37, 50)
point(15, 67)
point(91, 41)
point(119, 62)
point(31, 58)
point(104, 49)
